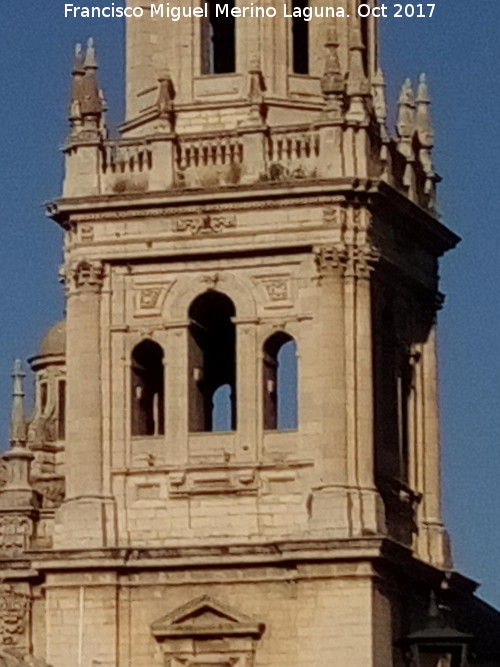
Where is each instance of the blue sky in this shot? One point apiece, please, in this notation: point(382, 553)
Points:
point(459, 50)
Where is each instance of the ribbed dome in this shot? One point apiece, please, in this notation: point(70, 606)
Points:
point(54, 341)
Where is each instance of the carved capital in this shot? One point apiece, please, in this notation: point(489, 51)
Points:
point(354, 261)
point(83, 276)
point(328, 259)
point(360, 261)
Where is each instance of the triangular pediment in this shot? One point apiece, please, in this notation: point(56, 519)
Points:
point(205, 616)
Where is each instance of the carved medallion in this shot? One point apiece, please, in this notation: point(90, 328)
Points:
point(205, 224)
point(277, 289)
point(149, 298)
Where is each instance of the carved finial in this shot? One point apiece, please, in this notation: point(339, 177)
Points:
point(358, 87)
point(425, 134)
point(380, 102)
point(78, 67)
point(357, 82)
point(18, 430)
point(104, 115)
point(165, 100)
point(75, 110)
point(256, 90)
point(332, 81)
point(406, 131)
point(91, 104)
point(423, 115)
point(90, 57)
point(406, 115)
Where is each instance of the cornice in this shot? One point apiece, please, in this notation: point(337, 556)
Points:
point(376, 194)
point(409, 212)
point(382, 552)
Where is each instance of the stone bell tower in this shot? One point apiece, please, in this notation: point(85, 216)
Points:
point(244, 393)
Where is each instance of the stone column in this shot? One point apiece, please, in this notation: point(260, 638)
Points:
point(435, 546)
point(330, 506)
point(83, 518)
point(358, 271)
point(359, 258)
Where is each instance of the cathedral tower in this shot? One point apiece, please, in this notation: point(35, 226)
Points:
point(236, 436)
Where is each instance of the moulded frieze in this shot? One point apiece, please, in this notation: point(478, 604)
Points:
point(14, 608)
point(194, 211)
point(15, 535)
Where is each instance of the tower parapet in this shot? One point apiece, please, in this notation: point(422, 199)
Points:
point(253, 137)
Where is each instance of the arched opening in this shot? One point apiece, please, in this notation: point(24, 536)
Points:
point(300, 39)
point(280, 382)
point(212, 363)
point(148, 396)
point(219, 40)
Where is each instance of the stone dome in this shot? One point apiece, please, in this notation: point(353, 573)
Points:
point(54, 341)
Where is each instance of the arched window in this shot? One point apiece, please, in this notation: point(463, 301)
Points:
point(300, 39)
point(148, 394)
point(212, 363)
point(280, 382)
point(219, 40)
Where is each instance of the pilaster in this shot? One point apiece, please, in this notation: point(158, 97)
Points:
point(84, 519)
point(432, 543)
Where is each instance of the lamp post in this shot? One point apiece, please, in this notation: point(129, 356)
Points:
point(437, 644)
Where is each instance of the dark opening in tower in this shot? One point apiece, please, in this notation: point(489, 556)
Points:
point(148, 395)
point(219, 40)
point(61, 409)
point(300, 40)
point(280, 382)
point(212, 363)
